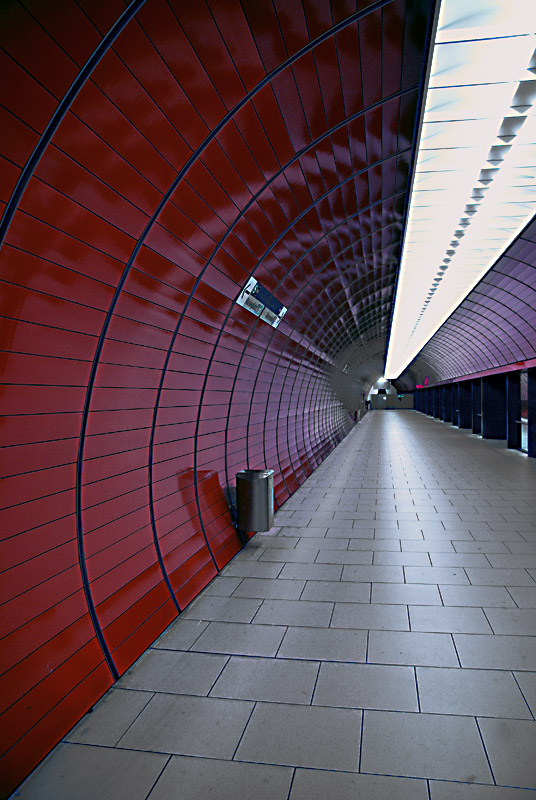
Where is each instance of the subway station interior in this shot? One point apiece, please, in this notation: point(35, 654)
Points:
point(273, 235)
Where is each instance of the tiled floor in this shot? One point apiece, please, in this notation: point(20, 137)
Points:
point(380, 642)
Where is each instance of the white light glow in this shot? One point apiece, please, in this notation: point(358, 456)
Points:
point(474, 184)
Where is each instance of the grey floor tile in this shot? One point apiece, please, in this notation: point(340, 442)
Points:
point(382, 545)
point(237, 638)
point(282, 517)
point(370, 616)
point(525, 526)
point(422, 526)
point(423, 746)
point(294, 612)
point(511, 745)
point(447, 790)
point(351, 533)
point(476, 596)
point(376, 574)
point(264, 541)
point(252, 569)
point(480, 547)
point(507, 536)
point(187, 778)
point(444, 575)
point(284, 555)
point(404, 593)
point(84, 772)
point(272, 680)
point(460, 560)
point(270, 589)
point(110, 718)
point(190, 726)
point(397, 534)
point(366, 686)
point(324, 644)
point(527, 684)
point(513, 561)
point(305, 736)
point(248, 554)
point(181, 634)
point(473, 527)
point(333, 543)
point(340, 522)
point(222, 609)
point(173, 671)
point(521, 547)
point(473, 692)
point(222, 586)
point(363, 513)
point(343, 591)
point(344, 557)
point(400, 647)
point(405, 558)
point(496, 652)
point(499, 577)
point(426, 524)
point(407, 516)
point(448, 619)
point(320, 785)
point(440, 534)
point(515, 621)
point(311, 572)
point(303, 528)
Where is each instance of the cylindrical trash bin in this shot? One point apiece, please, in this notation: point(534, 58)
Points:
point(255, 500)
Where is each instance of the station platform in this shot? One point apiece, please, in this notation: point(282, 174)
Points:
point(378, 642)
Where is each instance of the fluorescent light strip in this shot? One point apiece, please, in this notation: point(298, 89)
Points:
point(474, 186)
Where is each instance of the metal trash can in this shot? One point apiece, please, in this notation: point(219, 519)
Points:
point(255, 500)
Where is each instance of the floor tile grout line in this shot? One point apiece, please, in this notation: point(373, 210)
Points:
point(153, 695)
point(514, 676)
point(147, 796)
point(417, 689)
point(456, 650)
point(255, 703)
point(485, 750)
point(294, 771)
point(361, 735)
point(316, 679)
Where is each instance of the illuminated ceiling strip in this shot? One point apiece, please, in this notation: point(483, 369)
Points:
point(474, 185)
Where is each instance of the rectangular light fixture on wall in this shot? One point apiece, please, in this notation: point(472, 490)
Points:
point(261, 302)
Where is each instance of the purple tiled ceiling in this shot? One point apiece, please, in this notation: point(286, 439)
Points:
point(495, 326)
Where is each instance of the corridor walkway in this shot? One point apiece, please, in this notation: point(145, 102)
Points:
point(378, 643)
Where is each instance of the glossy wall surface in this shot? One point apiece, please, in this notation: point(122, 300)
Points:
point(155, 155)
point(494, 327)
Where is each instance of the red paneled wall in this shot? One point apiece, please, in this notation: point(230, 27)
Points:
point(154, 156)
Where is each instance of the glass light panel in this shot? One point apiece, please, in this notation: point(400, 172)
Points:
point(474, 183)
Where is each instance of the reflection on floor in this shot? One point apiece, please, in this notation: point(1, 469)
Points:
point(379, 643)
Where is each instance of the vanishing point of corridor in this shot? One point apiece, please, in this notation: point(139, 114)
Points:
point(379, 642)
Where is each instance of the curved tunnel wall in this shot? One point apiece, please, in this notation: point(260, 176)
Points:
point(155, 156)
point(494, 327)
